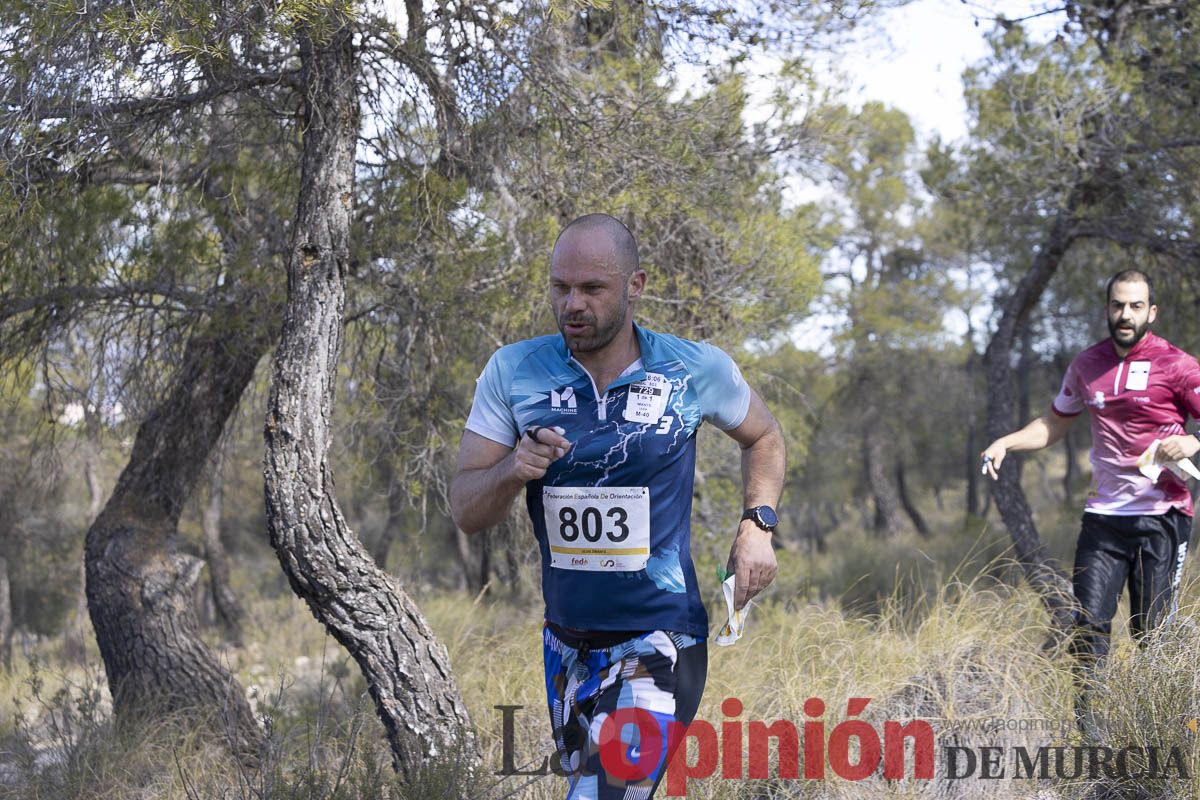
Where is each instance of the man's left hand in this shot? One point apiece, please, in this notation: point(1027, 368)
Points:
point(752, 561)
point(1174, 448)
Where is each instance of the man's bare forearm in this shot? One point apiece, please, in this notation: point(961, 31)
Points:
point(763, 465)
point(752, 556)
point(1041, 432)
point(490, 476)
point(480, 498)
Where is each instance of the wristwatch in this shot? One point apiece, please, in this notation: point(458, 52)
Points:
point(763, 516)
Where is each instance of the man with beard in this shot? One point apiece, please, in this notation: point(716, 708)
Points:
point(1139, 389)
point(598, 425)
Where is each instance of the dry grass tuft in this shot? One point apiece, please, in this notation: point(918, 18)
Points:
point(959, 656)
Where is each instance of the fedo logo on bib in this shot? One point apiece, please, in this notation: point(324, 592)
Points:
point(597, 528)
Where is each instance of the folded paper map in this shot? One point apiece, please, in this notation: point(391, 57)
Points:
point(735, 623)
point(1182, 469)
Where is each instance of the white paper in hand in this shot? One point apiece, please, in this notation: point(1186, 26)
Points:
point(735, 623)
point(1182, 469)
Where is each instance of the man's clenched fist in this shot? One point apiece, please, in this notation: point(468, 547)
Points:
point(536, 450)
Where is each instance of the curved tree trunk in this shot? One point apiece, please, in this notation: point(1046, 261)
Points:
point(880, 482)
point(910, 507)
point(138, 587)
point(1042, 572)
point(407, 670)
point(229, 610)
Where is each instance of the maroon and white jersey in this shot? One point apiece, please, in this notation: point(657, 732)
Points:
point(1147, 395)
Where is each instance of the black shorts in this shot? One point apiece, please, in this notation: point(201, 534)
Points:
point(1144, 552)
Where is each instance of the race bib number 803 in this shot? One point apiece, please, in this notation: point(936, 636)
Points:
point(598, 528)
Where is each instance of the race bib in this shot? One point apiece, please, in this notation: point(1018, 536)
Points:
point(597, 528)
point(1139, 376)
point(647, 399)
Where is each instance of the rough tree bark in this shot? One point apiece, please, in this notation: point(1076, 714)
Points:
point(1043, 572)
point(138, 587)
point(407, 670)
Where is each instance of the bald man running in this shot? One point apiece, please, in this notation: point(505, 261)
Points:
point(598, 426)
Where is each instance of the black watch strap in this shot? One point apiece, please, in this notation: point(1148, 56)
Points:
point(762, 516)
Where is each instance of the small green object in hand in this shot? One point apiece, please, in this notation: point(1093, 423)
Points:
point(721, 573)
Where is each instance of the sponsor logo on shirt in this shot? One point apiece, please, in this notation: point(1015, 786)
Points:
point(1097, 400)
point(563, 399)
point(1141, 399)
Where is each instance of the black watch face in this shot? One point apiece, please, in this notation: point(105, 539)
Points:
point(767, 516)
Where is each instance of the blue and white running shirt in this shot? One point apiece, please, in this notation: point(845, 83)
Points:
point(613, 516)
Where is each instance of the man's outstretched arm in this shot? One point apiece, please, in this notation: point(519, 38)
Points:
point(490, 475)
point(752, 557)
point(1042, 432)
